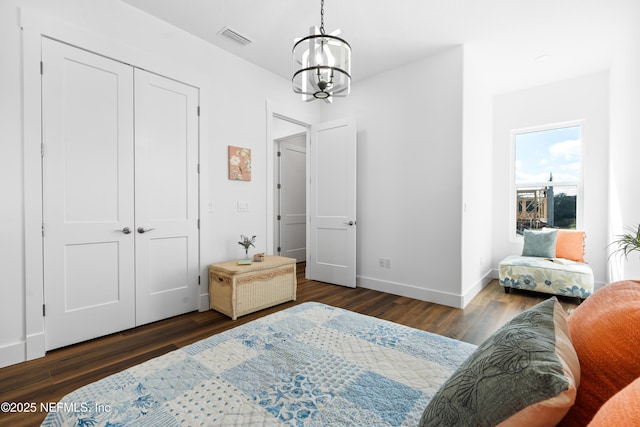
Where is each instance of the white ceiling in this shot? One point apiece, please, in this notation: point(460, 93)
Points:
point(579, 36)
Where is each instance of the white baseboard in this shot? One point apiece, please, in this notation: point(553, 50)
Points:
point(477, 287)
point(410, 291)
point(204, 302)
point(430, 295)
point(597, 285)
point(32, 348)
point(35, 346)
point(12, 353)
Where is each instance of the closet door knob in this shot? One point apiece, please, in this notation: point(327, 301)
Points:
point(143, 230)
point(125, 230)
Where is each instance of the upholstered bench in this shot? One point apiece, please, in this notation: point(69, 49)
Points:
point(552, 262)
point(555, 276)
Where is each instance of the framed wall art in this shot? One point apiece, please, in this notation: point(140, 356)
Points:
point(239, 163)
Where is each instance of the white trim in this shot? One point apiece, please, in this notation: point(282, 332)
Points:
point(204, 196)
point(11, 354)
point(32, 128)
point(513, 236)
point(428, 295)
point(36, 25)
point(411, 291)
point(34, 344)
point(292, 115)
point(477, 287)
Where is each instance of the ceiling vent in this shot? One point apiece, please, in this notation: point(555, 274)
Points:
point(235, 36)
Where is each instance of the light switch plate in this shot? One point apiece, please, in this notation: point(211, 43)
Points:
point(243, 206)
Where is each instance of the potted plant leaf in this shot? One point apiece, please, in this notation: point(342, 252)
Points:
point(245, 242)
point(627, 243)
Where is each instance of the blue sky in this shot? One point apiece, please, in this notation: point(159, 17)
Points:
point(554, 151)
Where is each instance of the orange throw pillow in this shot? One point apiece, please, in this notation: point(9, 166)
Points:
point(623, 409)
point(570, 245)
point(606, 336)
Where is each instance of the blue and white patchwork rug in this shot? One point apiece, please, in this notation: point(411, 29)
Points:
point(309, 365)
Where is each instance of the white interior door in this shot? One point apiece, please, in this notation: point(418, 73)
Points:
point(293, 199)
point(332, 190)
point(166, 135)
point(88, 199)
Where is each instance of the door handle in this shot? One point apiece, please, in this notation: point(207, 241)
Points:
point(350, 223)
point(143, 230)
point(125, 230)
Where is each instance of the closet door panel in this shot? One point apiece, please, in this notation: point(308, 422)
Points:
point(87, 122)
point(166, 134)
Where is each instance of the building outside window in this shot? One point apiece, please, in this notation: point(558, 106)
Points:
point(548, 172)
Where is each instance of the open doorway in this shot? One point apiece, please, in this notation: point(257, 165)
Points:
point(331, 170)
point(290, 201)
point(287, 143)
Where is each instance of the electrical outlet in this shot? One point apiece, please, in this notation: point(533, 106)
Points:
point(384, 262)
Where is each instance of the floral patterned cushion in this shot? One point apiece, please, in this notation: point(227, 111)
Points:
point(550, 275)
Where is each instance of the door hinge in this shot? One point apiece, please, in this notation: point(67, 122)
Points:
point(198, 280)
point(43, 230)
point(198, 111)
point(44, 312)
point(198, 223)
point(198, 167)
point(41, 67)
point(42, 149)
point(279, 249)
point(279, 186)
point(279, 154)
point(279, 218)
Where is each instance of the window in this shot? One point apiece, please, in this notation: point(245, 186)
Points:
point(547, 177)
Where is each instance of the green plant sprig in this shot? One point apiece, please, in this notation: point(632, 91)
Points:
point(627, 243)
point(245, 241)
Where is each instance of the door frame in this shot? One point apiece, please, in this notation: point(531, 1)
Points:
point(277, 161)
point(298, 116)
point(36, 25)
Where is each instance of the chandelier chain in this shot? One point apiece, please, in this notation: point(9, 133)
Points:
point(322, 17)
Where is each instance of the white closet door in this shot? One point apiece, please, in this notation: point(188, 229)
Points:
point(87, 119)
point(166, 135)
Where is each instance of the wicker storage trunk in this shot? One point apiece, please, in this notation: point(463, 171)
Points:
point(236, 290)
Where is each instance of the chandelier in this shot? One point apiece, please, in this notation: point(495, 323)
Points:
point(321, 64)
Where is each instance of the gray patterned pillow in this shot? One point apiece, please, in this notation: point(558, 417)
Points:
point(526, 373)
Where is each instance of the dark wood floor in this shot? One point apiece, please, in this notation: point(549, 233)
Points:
point(61, 371)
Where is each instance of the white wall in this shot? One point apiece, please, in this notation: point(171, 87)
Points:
point(624, 197)
point(234, 112)
point(585, 98)
point(477, 190)
point(410, 177)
